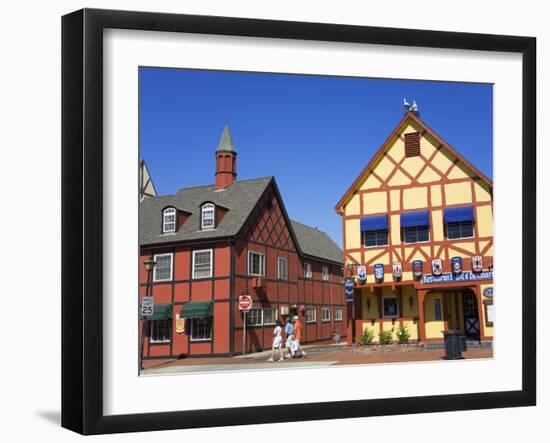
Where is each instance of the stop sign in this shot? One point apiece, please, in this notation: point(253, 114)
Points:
point(245, 302)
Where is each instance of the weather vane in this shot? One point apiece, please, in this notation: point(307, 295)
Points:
point(409, 107)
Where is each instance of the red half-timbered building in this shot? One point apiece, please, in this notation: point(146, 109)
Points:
point(213, 243)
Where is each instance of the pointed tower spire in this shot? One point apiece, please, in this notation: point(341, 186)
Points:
point(226, 160)
point(226, 142)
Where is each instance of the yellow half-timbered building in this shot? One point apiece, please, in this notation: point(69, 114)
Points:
point(418, 240)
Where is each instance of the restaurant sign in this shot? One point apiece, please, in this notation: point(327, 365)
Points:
point(456, 278)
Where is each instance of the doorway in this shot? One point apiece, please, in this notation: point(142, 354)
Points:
point(471, 315)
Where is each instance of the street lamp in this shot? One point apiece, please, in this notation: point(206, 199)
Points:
point(149, 266)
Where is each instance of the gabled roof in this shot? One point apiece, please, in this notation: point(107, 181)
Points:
point(406, 118)
point(239, 198)
point(316, 243)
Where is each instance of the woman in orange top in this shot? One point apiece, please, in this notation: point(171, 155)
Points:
point(298, 335)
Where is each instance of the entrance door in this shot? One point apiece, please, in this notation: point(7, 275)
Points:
point(471, 318)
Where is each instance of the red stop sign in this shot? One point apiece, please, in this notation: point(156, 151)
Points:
point(245, 302)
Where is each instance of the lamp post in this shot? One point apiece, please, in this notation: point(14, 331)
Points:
point(149, 266)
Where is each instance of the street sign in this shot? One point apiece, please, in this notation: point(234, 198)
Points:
point(147, 307)
point(245, 302)
point(349, 285)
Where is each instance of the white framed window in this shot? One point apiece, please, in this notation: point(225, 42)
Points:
point(163, 268)
point(311, 315)
point(161, 331)
point(325, 273)
point(390, 306)
point(254, 317)
point(256, 263)
point(338, 314)
point(259, 317)
point(208, 219)
point(282, 268)
point(325, 313)
point(169, 220)
point(270, 316)
point(307, 270)
point(202, 263)
point(201, 329)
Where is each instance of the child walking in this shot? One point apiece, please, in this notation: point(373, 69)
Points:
point(277, 341)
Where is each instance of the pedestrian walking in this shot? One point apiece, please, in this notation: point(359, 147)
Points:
point(277, 341)
point(298, 336)
point(289, 331)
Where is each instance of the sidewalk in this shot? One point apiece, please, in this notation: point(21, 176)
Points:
point(317, 356)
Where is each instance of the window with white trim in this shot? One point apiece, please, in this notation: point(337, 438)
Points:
point(377, 237)
point(462, 229)
point(311, 315)
point(282, 268)
point(169, 220)
point(390, 307)
point(161, 331)
point(201, 329)
point(208, 216)
point(202, 263)
point(256, 263)
point(163, 267)
point(325, 273)
point(325, 313)
point(338, 314)
point(307, 270)
point(416, 234)
point(259, 317)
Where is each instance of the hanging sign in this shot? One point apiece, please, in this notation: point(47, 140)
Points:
point(362, 274)
point(379, 271)
point(397, 270)
point(180, 324)
point(349, 289)
point(456, 265)
point(477, 263)
point(437, 266)
point(488, 292)
point(417, 268)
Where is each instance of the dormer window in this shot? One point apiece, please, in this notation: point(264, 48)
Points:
point(208, 216)
point(169, 220)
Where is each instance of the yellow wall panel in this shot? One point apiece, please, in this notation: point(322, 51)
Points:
point(412, 327)
point(353, 234)
point(482, 193)
point(408, 310)
point(375, 202)
point(356, 256)
point(395, 226)
point(397, 150)
point(413, 165)
point(437, 223)
point(369, 253)
point(484, 220)
point(366, 298)
point(370, 183)
point(436, 195)
point(384, 168)
point(460, 171)
point(354, 205)
point(429, 175)
point(489, 327)
point(443, 160)
point(415, 198)
point(433, 326)
point(468, 246)
point(395, 196)
point(427, 145)
point(458, 193)
point(399, 179)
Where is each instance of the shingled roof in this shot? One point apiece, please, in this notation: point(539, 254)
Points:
point(316, 243)
point(239, 198)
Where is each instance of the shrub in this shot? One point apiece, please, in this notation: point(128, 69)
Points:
point(367, 337)
point(403, 335)
point(385, 337)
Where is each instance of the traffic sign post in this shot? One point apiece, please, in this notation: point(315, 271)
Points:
point(147, 307)
point(245, 305)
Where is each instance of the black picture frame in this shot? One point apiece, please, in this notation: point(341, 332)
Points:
point(82, 215)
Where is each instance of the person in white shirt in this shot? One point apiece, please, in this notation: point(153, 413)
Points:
point(277, 341)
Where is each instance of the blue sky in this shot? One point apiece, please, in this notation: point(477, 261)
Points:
point(313, 133)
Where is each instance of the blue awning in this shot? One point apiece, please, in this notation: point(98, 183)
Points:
point(374, 223)
point(410, 219)
point(459, 214)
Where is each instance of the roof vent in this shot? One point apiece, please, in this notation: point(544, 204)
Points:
point(412, 144)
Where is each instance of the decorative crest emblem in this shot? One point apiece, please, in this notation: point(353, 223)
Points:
point(397, 270)
point(417, 268)
point(379, 271)
point(437, 266)
point(456, 265)
point(362, 274)
point(477, 263)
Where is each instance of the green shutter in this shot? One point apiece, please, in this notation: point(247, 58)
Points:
point(196, 309)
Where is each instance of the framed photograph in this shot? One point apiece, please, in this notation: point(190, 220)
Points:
point(269, 221)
